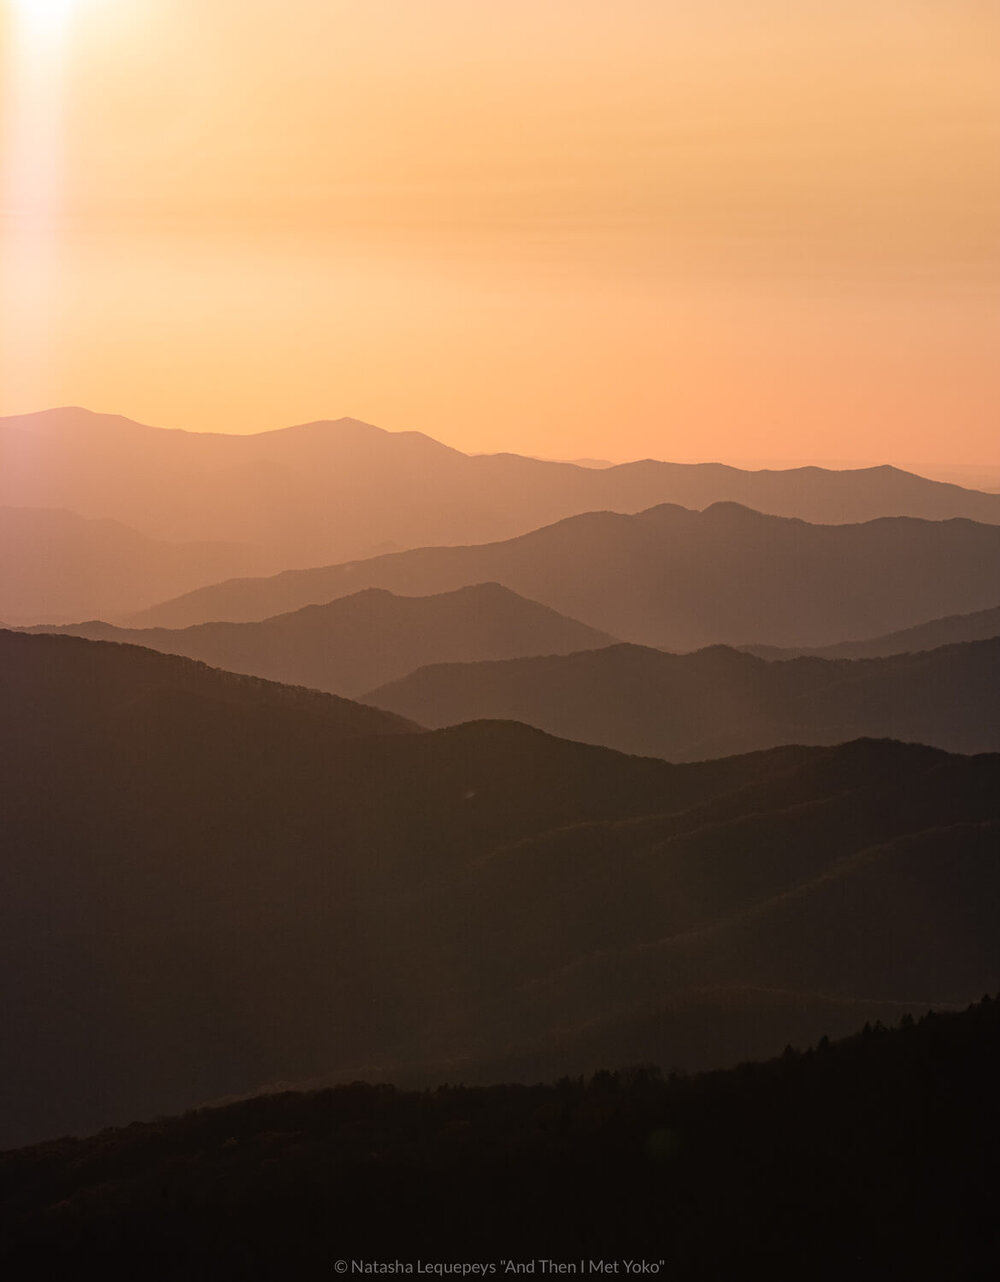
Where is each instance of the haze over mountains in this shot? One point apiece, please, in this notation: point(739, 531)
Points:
point(56, 566)
point(221, 876)
point(371, 637)
point(718, 701)
point(978, 626)
point(327, 492)
point(201, 898)
point(673, 578)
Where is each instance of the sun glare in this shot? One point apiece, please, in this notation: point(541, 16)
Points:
point(33, 99)
point(45, 15)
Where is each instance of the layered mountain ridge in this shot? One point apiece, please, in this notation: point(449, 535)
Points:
point(204, 895)
point(719, 701)
point(331, 491)
point(347, 645)
point(671, 578)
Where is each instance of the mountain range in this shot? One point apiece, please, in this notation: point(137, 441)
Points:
point(370, 637)
point(214, 884)
point(333, 755)
point(330, 491)
point(672, 578)
point(718, 701)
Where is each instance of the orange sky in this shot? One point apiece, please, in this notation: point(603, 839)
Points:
point(732, 229)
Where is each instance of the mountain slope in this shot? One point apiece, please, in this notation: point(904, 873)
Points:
point(671, 577)
point(336, 490)
point(58, 566)
point(719, 701)
point(209, 888)
point(370, 637)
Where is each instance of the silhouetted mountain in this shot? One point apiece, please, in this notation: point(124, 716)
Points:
point(673, 578)
point(329, 491)
point(979, 626)
point(57, 566)
point(868, 1158)
point(715, 702)
point(373, 636)
point(210, 884)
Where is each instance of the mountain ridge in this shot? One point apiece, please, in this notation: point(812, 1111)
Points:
point(671, 577)
point(346, 645)
point(719, 700)
point(615, 1160)
point(980, 625)
point(213, 888)
point(336, 490)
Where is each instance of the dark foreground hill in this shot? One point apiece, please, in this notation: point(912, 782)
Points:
point(869, 1158)
point(351, 644)
point(204, 893)
point(673, 578)
point(981, 625)
point(336, 490)
point(715, 702)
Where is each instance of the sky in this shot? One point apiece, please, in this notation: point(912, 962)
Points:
point(736, 229)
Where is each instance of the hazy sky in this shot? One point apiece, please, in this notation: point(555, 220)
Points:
point(728, 229)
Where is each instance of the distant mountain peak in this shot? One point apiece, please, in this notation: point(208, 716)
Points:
point(345, 423)
point(348, 429)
